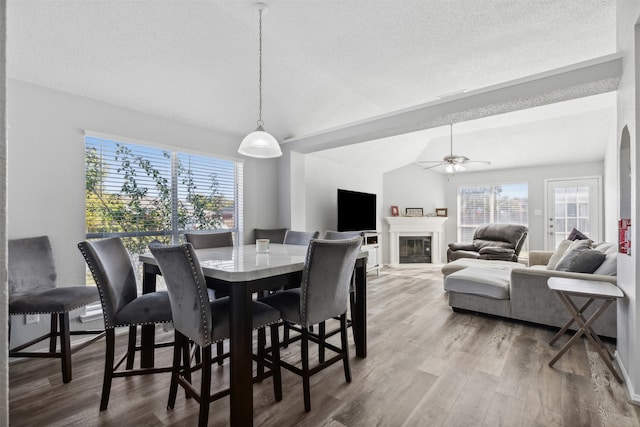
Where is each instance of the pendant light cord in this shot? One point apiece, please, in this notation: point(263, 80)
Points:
point(260, 122)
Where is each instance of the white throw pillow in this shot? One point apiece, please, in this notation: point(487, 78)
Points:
point(558, 254)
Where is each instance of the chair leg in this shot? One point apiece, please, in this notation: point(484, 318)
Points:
point(304, 343)
point(53, 335)
point(262, 343)
point(108, 368)
point(220, 352)
point(275, 360)
point(65, 347)
point(178, 344)
point(285, 335)
point(322, 328)
point(345, 347)
point(352, 311)
point(205, 387)
point(131, 349)
point(186, 359)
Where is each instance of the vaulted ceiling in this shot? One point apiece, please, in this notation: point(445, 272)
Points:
point(326, 64)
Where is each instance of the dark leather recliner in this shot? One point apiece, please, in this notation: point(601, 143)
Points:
point(492, 242)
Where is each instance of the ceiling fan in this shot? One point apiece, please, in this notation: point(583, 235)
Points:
point(453, 162)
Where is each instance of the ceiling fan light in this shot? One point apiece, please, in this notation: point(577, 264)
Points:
point(458, 167)
point(448, 168)
point(260, 144)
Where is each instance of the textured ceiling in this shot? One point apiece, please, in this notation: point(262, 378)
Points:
point(326, 63)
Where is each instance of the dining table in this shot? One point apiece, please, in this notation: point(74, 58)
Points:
point(241, 272)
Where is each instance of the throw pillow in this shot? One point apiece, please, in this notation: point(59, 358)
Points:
point(585, 261)
point(575, 234)
point(558, 254)
point(573, 249)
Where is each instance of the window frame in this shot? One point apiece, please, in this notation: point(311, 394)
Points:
point(492, 205)
point(176, 232)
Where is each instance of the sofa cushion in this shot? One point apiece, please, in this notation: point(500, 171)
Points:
point(486, 282)
point(609, 266)
point(462, 246)
point(463, 263)
point(586, 261)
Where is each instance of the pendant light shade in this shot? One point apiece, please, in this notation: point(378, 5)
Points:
point(259, 143)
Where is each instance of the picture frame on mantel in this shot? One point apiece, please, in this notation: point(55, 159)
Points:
point(413, 212)
point(441, 212)
point(395, 211)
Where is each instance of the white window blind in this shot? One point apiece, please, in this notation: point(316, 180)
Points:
point(491, 204)
point(142, 193)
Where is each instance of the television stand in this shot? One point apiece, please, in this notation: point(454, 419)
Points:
point(371, 244)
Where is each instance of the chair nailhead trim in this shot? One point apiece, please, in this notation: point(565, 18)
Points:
point(194, 273)
point(107, 323)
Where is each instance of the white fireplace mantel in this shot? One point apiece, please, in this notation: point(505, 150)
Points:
point(415, 226)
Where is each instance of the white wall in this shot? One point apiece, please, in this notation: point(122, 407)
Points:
point(534, 176)
point(628, 344)
point(46, 168)
point(412, 187)
point(322, 180)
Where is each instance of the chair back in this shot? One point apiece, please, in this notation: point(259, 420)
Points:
point(30, 265)
point(187, 291)
point(209, 240)
point(511, 236)
point(325, 279)
point(275, 235)
point(339, 235)
point(300, 237)
point(111, 267)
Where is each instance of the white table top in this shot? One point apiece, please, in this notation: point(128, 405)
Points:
point(586, 288)
point(244, 263)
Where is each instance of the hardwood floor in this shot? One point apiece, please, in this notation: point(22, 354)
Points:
point(426, 366)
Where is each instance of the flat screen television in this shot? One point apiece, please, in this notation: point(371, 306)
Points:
point(356, 211)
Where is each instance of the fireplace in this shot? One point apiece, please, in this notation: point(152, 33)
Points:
point(414, 249)
point(415, 240)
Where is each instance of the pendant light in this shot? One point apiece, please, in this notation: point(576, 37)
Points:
point(260, 144)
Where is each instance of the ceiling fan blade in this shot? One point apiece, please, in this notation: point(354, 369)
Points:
point(432, 166)
point(484, 162)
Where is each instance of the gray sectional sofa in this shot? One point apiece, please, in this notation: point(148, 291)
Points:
point(516, 291)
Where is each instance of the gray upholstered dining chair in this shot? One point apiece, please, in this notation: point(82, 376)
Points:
point(275, 235)
point(323, 294)
point(33, 289)
point(322, 333)
point(209, 240)
point(205, 322)
point(111, 267)
point(206, 241)
point(337, 235)
point(293, 237)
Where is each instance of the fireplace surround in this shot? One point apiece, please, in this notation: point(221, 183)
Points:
point(417, 230)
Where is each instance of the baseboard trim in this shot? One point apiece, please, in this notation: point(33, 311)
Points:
point(632, 396)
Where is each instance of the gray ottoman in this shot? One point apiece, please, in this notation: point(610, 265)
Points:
point(480, 289)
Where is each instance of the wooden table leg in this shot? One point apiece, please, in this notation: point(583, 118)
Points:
point(359, 318)
point(585, 329)
point(241, 360)
point(570, 322)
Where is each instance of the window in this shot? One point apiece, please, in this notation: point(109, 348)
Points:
point(491, 204)
point(142, 193)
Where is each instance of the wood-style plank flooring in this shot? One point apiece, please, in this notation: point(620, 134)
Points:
point(426, 366)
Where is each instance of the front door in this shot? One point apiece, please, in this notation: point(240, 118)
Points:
point(572, 203)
